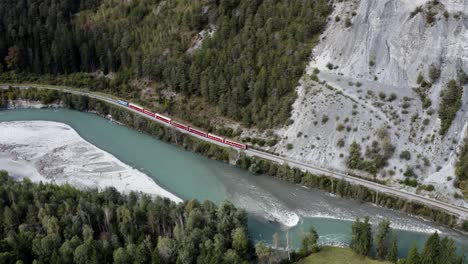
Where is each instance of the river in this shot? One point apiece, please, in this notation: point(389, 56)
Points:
point(273, 205)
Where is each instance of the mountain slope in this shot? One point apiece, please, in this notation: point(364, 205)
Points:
point(369, 58)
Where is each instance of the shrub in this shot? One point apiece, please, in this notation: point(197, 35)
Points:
point(430, 17)
point(337, 19)
point(340, 127)
point(348, 22)
point(382, 96)
point(410, 182)
point(420, 79)
point(330, 66)
point(392, 97)
point(428, 187)
point(434, 73)
point(446, 15)
point(340, 143)
point(406, 155)
point(409, 172)
point(416, 11)
point(324, 119)
point(289, 146)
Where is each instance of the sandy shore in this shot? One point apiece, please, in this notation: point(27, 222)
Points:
point(54, 152)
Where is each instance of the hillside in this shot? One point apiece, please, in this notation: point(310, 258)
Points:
point(243, 58)
point(389, 76)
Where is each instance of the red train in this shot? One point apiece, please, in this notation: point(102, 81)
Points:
point(182, 126)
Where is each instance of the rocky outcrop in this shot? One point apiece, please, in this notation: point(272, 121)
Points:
point(370, 57)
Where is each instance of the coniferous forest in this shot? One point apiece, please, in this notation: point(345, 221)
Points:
point(248, 65)
point(47, 223)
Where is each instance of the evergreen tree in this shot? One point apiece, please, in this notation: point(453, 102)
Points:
point(361, 240)
point(382, 239)
point(431, 250)
point(413, 255)
point(393, 251)
point(309, 242)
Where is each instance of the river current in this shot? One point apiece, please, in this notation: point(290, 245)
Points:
point(272, 205)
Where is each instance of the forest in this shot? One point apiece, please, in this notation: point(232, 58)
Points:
point(247, 66)
point(46, 223)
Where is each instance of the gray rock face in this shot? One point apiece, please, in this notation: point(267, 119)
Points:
point(383, 49)
point(401, 46)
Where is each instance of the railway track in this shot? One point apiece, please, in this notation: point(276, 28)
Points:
point(460, 211)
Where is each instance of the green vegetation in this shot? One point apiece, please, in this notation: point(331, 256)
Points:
point(248, 69)
point(378, 154)
point(434, 73)
point(416, 11)
point(450, 103)
point(410, 182)
point(361, 241)
point(382, 239)
point(348, 22)
point(46, 223)
point(335, 255)
point(253, 164)
point(309, 242)
point(406, 155)
point(436, 250)
point(462, 169)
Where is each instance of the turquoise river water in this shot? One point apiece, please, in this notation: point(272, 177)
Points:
point(272, 205)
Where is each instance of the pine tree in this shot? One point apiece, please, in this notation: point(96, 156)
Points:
point(413, 255)
point(431, 250)
point(309, 242)
point(361, 241)
point(382, 239)
point(393, 251)
point(447, 251)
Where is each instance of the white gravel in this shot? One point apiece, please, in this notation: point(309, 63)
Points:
point(400, 48)
point(54, 152)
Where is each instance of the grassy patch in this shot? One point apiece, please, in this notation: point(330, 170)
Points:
point(334, 255)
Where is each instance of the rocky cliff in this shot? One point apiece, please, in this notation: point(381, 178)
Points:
point(376, 79)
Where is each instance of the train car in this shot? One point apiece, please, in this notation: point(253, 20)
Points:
point(163, 118)
point(216, 138)
point(120, 102)
point(135, 107)
point(235, 144)
point(198, 132)
point(147, 112)
point(179, 125)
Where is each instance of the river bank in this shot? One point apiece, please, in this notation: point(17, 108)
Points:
point(269, 201)
point(254, 165)
point(54, 152)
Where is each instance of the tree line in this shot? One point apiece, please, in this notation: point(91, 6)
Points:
point(248, 67)
point(436, 250)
